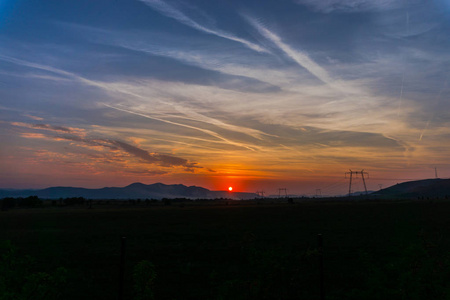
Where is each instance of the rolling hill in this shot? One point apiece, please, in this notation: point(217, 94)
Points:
point(419, 188)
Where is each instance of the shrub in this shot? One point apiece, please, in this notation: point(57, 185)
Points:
point(19, 280)
point(144, 275)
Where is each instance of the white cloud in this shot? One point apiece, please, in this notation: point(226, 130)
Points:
point(303, 60)
point(299, 57)
point(174, 13)
point(207, 131)
point(328, 6)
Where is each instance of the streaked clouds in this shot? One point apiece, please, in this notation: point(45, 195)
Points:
point(204, 93)
point(80, 137)
point(349, 6)
point(179, 16)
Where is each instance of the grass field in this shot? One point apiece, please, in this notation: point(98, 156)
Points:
point(372, 250)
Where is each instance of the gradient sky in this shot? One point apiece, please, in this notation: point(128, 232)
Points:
point(259, 95)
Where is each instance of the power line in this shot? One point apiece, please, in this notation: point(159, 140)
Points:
point(280, 190)
point(318, 193)
point(362, 173)
point(397, 179)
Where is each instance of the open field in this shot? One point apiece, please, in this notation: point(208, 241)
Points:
point(372, 250)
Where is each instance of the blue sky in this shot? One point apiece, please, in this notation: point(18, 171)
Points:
point(254, 94)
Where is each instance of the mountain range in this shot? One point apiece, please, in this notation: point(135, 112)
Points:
point(409, 189)
point(132, 191)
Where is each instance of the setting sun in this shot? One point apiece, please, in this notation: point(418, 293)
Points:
point(230, 188)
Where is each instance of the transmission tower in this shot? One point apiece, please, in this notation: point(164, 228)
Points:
point(362, 173)
point(280, 190)
point(260, 193)
point(318, 193)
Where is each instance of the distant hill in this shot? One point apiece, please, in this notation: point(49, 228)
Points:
point(132, 191)
point(419, 188)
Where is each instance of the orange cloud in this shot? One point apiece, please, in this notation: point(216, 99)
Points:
point(71, 130)
point(31, 135)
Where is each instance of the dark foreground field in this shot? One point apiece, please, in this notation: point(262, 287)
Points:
point(397, 250)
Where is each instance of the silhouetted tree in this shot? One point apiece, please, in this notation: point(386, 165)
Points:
point(8, 203)
point(31, 201)
point(74, 201)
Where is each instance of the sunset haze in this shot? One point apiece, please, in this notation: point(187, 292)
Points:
point(253, 95)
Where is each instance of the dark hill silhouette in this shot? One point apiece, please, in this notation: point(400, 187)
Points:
point(420, 188)
point(132, 191)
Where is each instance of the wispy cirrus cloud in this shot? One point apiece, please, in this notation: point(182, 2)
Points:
point(304, 60)
point(350, 6)
point(176, 14)
point(246, 72)
point(136, 91)
point(170, 103)
point(34, 117)
point(21, 62)
point(207, 131)
point(299, 57)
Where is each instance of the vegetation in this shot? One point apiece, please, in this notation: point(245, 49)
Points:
point(31, 201)
point(144, 275)
point(20, 279)
point(372, 250)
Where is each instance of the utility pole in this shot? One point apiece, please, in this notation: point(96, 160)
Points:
point(280, 190)
point(362, 173)
point(435, 172)
point(122, 267)
point(318, 193)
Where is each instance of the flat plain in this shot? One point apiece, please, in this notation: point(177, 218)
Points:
point(372, 250)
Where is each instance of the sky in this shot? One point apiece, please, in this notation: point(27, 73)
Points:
point(258, 95)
